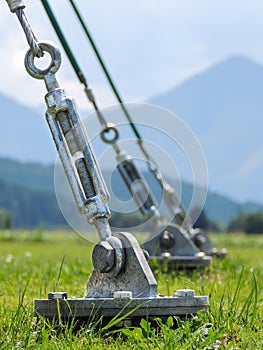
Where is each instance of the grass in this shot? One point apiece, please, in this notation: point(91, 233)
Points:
point(37, 262)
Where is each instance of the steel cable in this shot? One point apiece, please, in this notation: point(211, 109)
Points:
point(30, 36)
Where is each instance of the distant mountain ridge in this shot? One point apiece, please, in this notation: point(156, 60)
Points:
point(24, 133)
point(27, 190)
point(223, 106)
point(30, 208)
point(34, 176)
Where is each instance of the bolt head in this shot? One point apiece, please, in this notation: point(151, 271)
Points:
point(184, 293)
point(57, 295)
point(122, 294)
point(166, 240)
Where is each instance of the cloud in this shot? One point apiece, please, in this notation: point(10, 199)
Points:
point(149, 47)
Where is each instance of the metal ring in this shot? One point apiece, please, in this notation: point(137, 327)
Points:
point(52, 68)
point(110, 127)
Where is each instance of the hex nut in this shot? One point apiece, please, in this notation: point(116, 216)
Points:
point(122, 294)
point(184, 293)
point(57, 295)
point(167, 240)
point(199, 239)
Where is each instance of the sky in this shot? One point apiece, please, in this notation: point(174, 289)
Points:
point(148, 46)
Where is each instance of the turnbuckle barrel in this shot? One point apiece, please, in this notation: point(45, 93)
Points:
point(175, 207)
point(73, 146)
point(136, 184)
point(75, 151)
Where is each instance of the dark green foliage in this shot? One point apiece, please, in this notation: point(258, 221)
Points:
point(29, 175)
point(247, 222)
point(6, 219)
point(202, 220)
point(30, 208)
point(27, 191)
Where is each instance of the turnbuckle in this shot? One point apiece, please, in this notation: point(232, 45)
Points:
point(73, 146)
point(137, 186)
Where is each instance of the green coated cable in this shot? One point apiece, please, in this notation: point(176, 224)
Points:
point(64, 43)
point(153, 167)
point(168, 189)
point(105, 70)
point(72, 59)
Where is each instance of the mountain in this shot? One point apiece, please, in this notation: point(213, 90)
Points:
point(27, 190)
point(223, 106)
point(218, 208)
point(24, 133)
point(33, 176)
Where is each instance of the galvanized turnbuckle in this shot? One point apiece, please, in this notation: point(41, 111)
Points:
point(72, 144)
point(168, 243)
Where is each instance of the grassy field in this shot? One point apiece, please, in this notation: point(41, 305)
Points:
point(37, 262)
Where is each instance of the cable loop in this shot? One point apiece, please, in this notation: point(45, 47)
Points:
point(54, 65)
point(109, 134)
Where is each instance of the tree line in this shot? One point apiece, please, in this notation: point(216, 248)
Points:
point(249, 223)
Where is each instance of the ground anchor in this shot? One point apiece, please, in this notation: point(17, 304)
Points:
point(121, 284)
point(173, 247)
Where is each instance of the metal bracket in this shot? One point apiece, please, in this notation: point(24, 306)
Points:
point(174, 247)
point(134, 272)
point(132, 291)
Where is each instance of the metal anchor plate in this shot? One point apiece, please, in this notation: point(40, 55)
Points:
point(107, 293)
point(84, 310)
